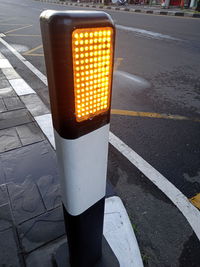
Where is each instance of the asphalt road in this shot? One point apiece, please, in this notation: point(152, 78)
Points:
point(156, 71)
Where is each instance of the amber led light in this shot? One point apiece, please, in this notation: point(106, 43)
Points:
point(92, 51)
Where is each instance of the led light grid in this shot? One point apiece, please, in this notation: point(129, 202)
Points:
point(92, 51)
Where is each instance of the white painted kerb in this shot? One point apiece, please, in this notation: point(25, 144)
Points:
point(119, 233)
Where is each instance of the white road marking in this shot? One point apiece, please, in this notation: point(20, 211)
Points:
point(191, 213)
point(21, 87)
point(188, 210)
point(145, 33)
point(38, 73)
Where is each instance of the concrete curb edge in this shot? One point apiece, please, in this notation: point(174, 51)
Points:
point(127, 9)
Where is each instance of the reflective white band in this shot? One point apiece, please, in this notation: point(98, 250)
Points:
point(83, 166)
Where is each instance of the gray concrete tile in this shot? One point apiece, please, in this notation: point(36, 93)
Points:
point(3, 195)
point(10, 73)
point(2, 106)
point(49, 188)
point(5, 217)
point(9, 139)
point(13, 103)
point(32, 162)
point(34, 105)
point(43, 256)
point(29, 133)
point(9, 251)
point(4, 82)
point(7, 92)
point(26, 202)
point(14, 118)
point(42, 229)
point(2, 174)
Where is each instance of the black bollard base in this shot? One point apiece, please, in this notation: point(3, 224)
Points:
point(108, 259)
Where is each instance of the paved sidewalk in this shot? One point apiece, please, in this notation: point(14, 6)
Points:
point(147, 9)
point(31, 218)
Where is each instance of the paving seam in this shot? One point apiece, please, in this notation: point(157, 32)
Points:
point(130, 255)
point(127, 9)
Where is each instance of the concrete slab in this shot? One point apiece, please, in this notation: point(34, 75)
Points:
point(8, 251)
point(14, 118)
point(43, 256)
point(2, 175)
point(3, 195)
point(4, 82)
point(42, 229)
point(32, 162)
point(9, 139)
point(49, 188)
point(13, 103)
point(26, 202)
point(7, 92)
point(21, 87)
point(29, 133)
point(34, 105)
point(10, 73)
point(5, 217)
point(2, 106)
point(4, 63)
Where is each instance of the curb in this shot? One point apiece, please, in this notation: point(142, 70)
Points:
point(127, 9)
point(118, 230)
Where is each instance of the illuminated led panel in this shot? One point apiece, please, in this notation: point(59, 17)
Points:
point(92, 50)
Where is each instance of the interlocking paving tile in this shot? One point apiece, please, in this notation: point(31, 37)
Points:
point(7, 92)
point(41, 229)
point(14, 118)
point(3, 194)
point(4, 82)
point(9, 251)
point(5, 217)
point(9, 139)
point(13, 103)
point(29, 133)
point(32, 162)
point(49, 188)
point(35, 105)
point(26, 202)
point(2, 106)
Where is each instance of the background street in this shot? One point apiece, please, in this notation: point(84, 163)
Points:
point(155, 111)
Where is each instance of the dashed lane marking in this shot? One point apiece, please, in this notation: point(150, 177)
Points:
point(14, 30)
point(191, 213)
point(152, 115)
point(196, 201)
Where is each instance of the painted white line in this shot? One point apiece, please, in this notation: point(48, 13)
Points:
point(21, 87)
point(119, 233)
point(45, 123)
point(187, 209)
point(38, 73)
point(4, 63)
point(145, 33)
point(191, 213)
point(2, 35)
